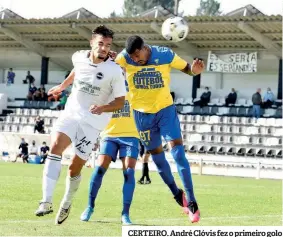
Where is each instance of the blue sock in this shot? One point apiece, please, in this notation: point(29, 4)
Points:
point(95, 183)
point(164, 170)
point(183, 166)
point(128, 189)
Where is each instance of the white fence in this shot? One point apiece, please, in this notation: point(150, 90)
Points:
point(200, 164)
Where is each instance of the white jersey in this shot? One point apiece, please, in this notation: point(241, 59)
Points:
point(94, 84)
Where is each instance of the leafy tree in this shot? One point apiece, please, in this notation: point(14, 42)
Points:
point(208, 8)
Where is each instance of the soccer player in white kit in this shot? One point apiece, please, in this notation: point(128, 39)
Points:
point(98, 89)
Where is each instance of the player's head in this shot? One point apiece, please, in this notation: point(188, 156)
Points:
point(137, 50)
point(101, 41)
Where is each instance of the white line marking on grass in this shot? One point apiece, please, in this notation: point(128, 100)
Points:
point(145, 220)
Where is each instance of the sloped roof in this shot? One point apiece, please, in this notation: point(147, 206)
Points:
point(217, 33)
point(158, 11)
point(79, 14)
point(8, 14)
point(248, 10)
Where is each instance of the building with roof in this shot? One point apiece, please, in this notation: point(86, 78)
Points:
point(30, 43)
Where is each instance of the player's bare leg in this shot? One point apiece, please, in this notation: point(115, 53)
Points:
point(51, 171)
point(72, 184)
point(129, 165)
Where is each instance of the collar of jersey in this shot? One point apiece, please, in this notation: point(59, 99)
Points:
point(95, 64)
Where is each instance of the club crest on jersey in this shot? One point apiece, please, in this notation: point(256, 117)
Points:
point(99, 75)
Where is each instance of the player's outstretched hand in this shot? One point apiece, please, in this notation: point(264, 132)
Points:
point(94, 109)
point(56, 90)
point(112, 54)
point(197, 66)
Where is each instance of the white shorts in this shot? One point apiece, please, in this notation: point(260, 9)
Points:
point(82, 135)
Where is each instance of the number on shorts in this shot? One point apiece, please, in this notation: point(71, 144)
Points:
point(145, 136)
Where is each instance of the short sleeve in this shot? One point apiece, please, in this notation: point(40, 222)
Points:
point(118, 84)
point(120, 59)
point(74, 58)
point(178, 63)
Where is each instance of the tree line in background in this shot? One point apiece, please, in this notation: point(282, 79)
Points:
point(134, 7)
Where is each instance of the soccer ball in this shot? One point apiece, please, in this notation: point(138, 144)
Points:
point(175, 29)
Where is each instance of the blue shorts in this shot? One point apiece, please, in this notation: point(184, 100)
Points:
point(127, 147)
point(151, 127)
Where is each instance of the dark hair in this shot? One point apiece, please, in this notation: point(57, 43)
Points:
point(104, 31)
point(133, 43)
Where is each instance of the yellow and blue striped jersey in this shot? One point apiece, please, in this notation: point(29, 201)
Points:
point(122, 123)
point(149, 85)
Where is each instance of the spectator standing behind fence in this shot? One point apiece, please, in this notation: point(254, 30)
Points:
point(268, 98)
point(29, 78)
point(39, 125)
point(10, 77)
point(231, 98)
point(257, 101)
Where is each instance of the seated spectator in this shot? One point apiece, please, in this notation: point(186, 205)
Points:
point(231, 98)
point(63, 100)
point(256, 99)
point(204, 99)
point(29, 79)
point(268, 98)
point(39, 125)
point(23, 151)
point(37, 95)
point(33, 149)
point(10, 77)
point(32, 90)
point(44, 152)
point(43, 93)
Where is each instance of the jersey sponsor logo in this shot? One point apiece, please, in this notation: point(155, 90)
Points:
point(148, 78)
point(86, 87)
point(99, 75)
point(124, 112)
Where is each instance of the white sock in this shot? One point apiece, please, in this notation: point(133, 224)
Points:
point(51, 173)
point(72, 185)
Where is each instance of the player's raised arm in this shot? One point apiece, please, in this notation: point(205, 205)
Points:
point(193, 69)
point(58, 89)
